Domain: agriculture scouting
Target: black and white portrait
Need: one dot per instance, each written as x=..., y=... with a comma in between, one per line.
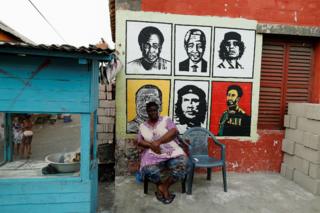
x=148, y=48
x=192, y=50
x=233, y=53
x=190, y=104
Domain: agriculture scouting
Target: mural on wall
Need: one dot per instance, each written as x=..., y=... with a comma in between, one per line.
x=233, y=53
x=148, y=48
x=192, y=50
x=231, y=108
x=139, y=93
x=190, y=104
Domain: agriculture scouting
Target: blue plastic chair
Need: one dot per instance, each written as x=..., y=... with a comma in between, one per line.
x=198, y=138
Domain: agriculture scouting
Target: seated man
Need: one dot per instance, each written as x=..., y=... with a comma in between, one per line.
x=161, y=152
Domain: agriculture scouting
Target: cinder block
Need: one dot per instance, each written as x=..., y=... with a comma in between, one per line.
x=296, y=162
x=288, y=146
x=293, y=121
x=102, y=142
x=295, y=135
x=311, y=140
x=313, y=111
x=307, y=182
x=102, y=120
x=102, y=111
x=308, y=125
x=109, y=87
x=286, y=171
x=307, y=153
x=102, y=87
x=103, y=103
x=283, y=169
x=314, y=171
x=112, y=104
x=105, y=136
x=109, y=95
x=112, y=112
x=101, y=128
x=288, y=159
x=297, y=109
x=105, y=128
x=286, y=122
x=102, y=95
x=301, y=164
x=102, y=136
x=110, y=136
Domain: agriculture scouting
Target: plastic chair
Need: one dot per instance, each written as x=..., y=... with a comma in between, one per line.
x=198, y=150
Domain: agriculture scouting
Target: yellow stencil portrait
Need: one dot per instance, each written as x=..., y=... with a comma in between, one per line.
x=132, y=87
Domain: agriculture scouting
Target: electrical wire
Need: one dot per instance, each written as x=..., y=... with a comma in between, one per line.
x=54, y=29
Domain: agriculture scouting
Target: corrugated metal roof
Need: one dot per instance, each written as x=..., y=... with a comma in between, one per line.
x=14, y=33
x=58, y=48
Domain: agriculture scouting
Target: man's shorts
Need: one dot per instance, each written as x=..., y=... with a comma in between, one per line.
x=176, y=167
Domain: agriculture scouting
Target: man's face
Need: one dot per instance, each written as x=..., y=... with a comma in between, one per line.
x=143, y=97
x=232, y=48
x=232, y=98
x=190, y=105
x=195, y=48
x=153, y=113
x=151, y=49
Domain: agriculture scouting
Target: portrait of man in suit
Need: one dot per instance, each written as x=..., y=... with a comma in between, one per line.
x=195, y=45
x=150, y=41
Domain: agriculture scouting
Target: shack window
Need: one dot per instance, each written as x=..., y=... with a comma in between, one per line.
x=40, y=145
x=286, y=71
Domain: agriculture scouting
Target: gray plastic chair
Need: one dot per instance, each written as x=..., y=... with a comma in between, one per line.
x=198, y=150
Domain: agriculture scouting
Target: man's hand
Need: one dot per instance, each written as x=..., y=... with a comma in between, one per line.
x=155, y=147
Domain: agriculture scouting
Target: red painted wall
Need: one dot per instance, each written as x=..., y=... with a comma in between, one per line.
x=294, y=12
x=246, y=156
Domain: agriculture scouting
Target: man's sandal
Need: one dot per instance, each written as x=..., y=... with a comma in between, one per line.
x=162, y=199
x=168, y=201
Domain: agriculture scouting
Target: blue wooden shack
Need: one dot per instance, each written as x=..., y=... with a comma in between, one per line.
x=52, y=79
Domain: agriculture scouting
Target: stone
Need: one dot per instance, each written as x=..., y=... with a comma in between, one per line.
x=286, y=122
x=102, y=87
x=311, y=140
x=307, y=182
x=314, y=171
x=103, y=103
x=313, y=111
x=308, y=125
x=288, y=146
x=102, y=95
x=297, y=109
x=307, y=153
x=109, y=95
x=295, y=135
x=296, y=162
x=293, y=122
x=286, y=171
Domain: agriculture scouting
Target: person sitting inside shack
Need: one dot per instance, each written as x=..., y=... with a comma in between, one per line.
x=158, y=137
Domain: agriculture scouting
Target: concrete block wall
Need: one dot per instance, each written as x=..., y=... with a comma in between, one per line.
x=106, y=123
x=301, y=146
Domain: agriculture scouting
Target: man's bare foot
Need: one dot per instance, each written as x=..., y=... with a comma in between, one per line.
x=164, y=191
